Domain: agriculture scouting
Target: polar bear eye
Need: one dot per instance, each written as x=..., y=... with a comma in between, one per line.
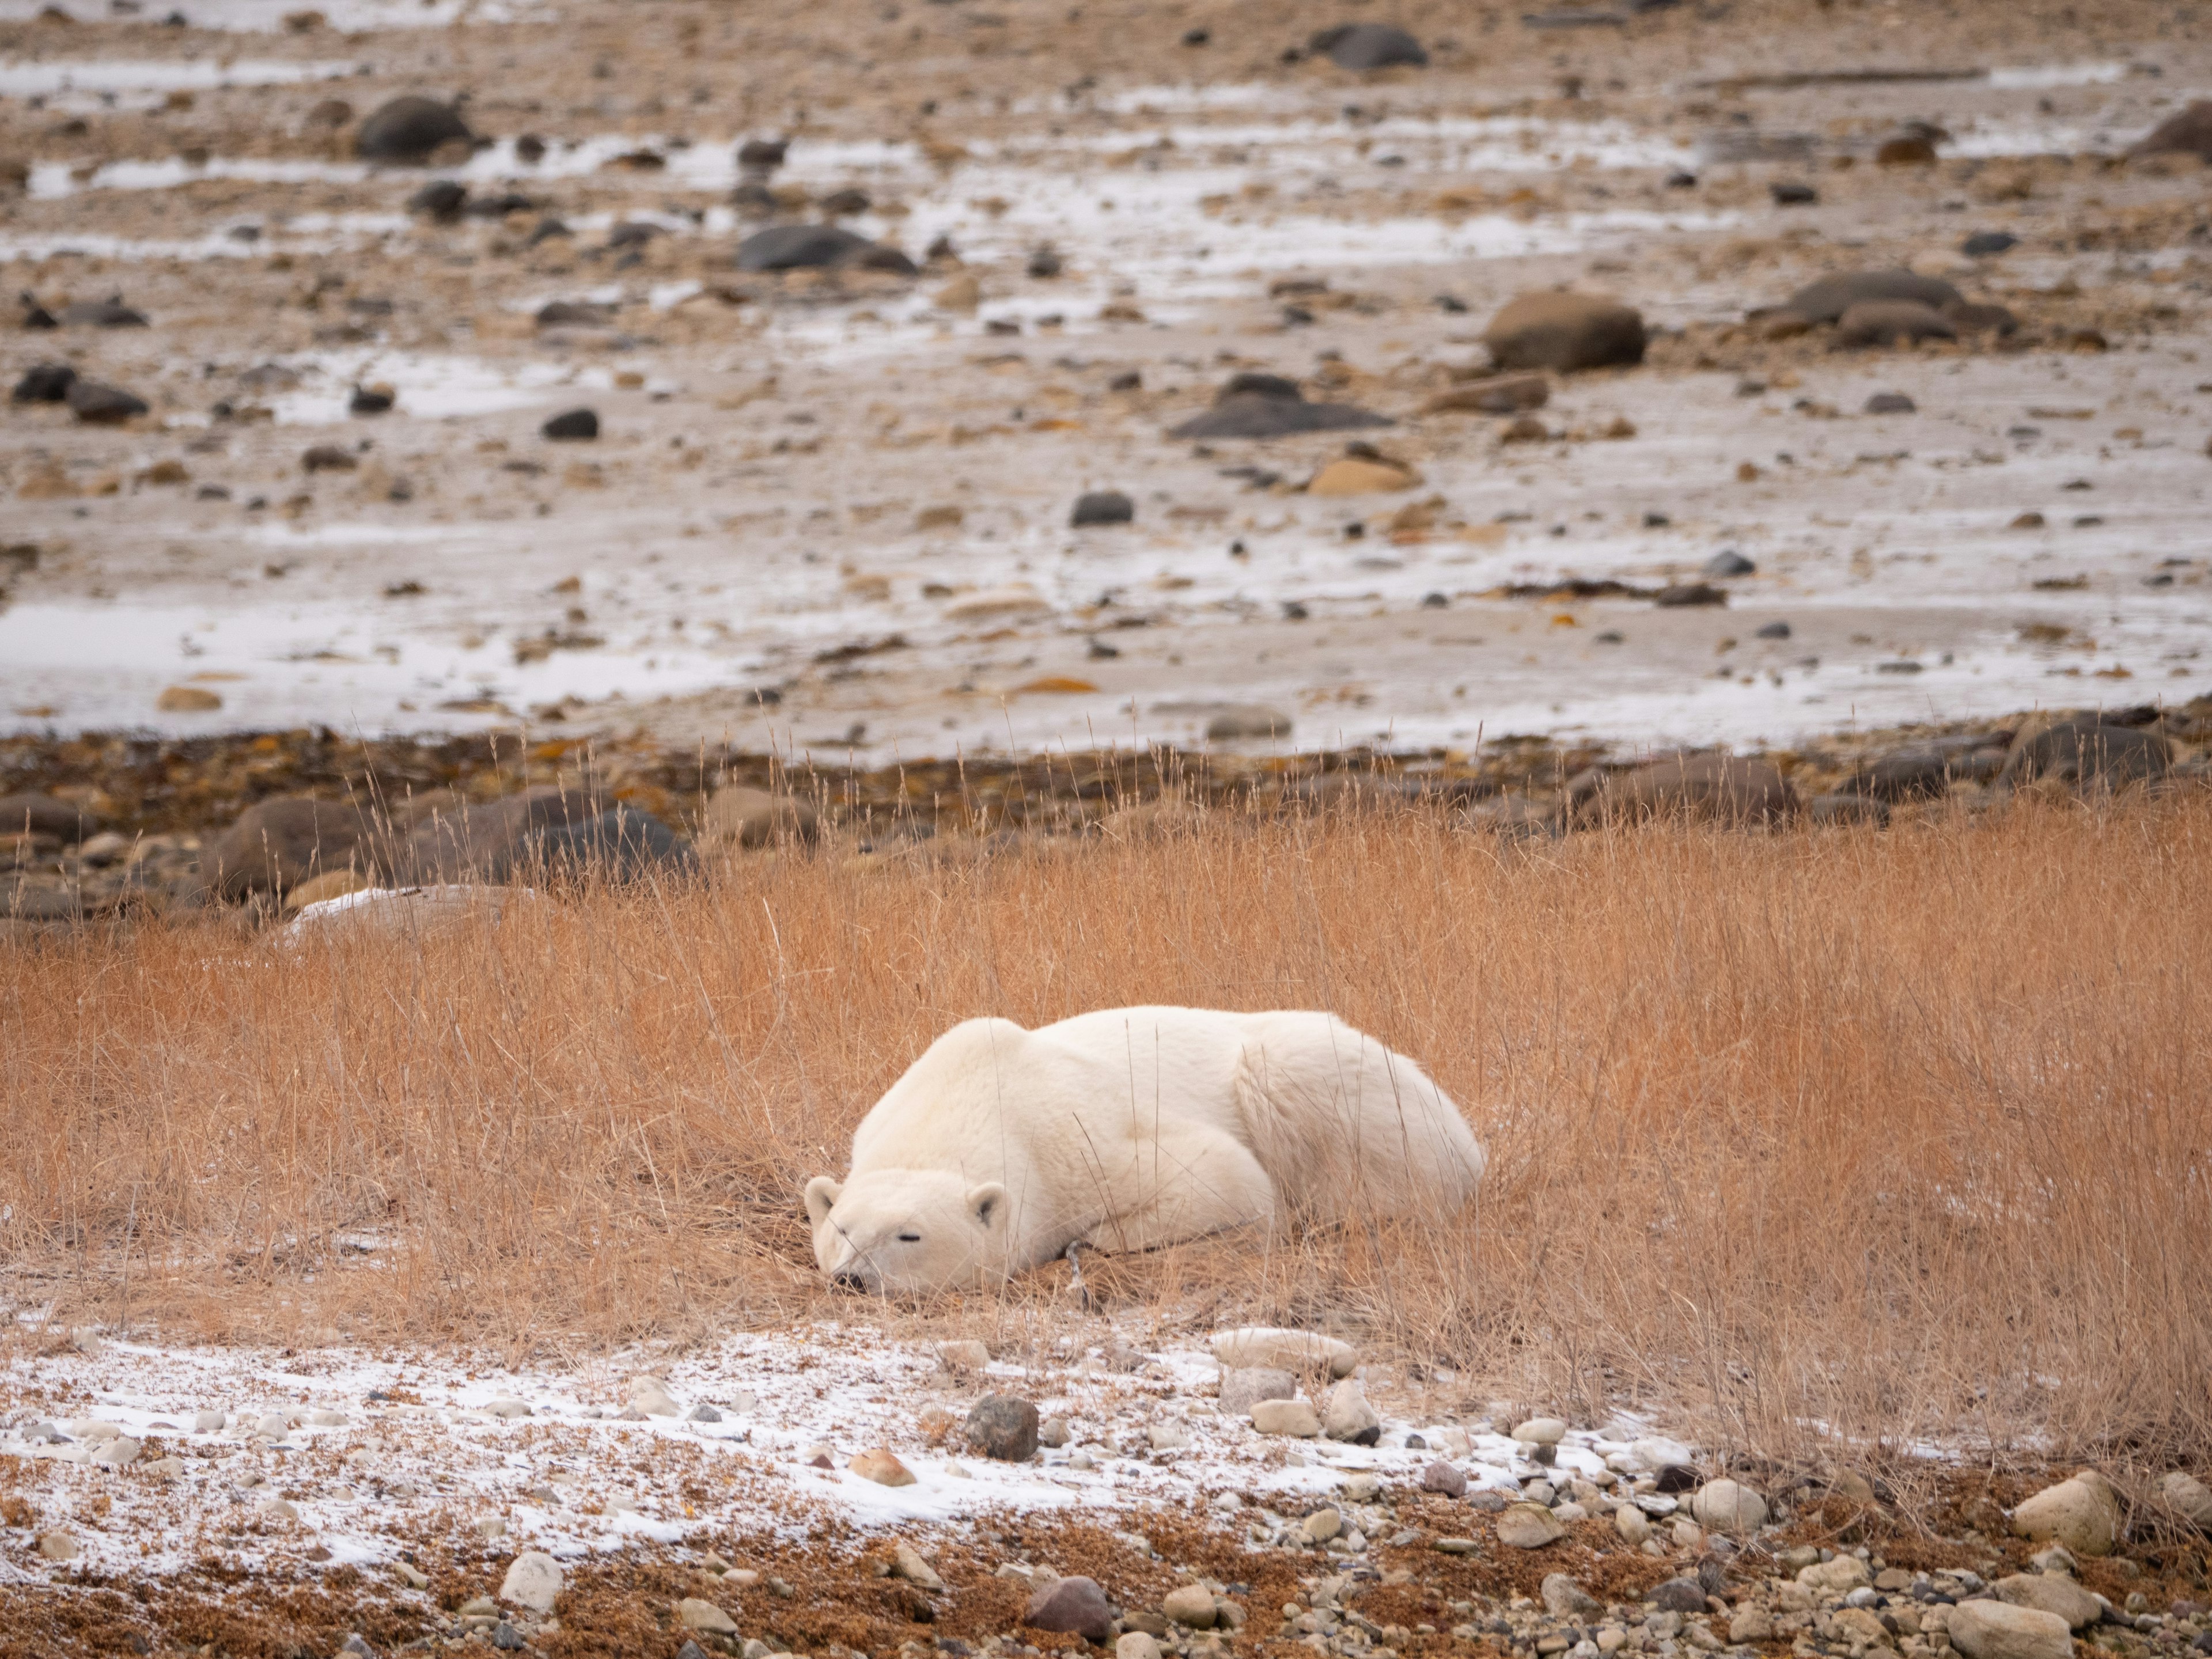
x=910, y=1238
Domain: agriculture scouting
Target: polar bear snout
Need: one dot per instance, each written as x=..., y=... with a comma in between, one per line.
x=903, y=1232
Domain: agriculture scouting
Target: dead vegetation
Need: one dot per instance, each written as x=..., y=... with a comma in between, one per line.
x=1886, y=1136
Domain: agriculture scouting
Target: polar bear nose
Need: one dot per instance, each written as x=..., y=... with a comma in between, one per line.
x=847, y=1280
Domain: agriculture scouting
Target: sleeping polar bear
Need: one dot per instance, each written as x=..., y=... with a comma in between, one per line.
x=1128, y=1128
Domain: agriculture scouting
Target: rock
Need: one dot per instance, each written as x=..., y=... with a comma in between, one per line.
x=1242, y=1387
x=1837, y=1577
x=1726, y=1506
x=43, y=815
x=541, y=831
x=1294, y=1418
x=1890, y=322
x=328, y=457
x=572, y=426
x=2082, y=1513
x=1137, y=1645
x=1859, y=1629
x=1540, y=1431
x=2051, y=1592
x=1353, y=474
x=1054, y=1433
x=489, y=1526
x=102, y=313
x=1847, y=810
x=97, y=403
x=1003, y=1426
x=1827, y=299
x=1269, y=406
x=442, y=199
x=279, y=1509
x=2186, y=1496
x=1446, y=1478
x=1368, y=46
x=1565, y=1599
x=1245, y=721
x=57, y=1546
x=697, y=1614
x=280, y=844
x=2187, y=131
x=1987, y=244
x=1322, y=1526
x=1346, y=1414
x=508, y=1407
x=1909, y=151
x=742, y=816
x=1015, y=601
x=1076, y=1606
x=808, y=247
x=1565, y=333
x=532, y=1581
x=1917, y=772
x=1679, y=1596
x=1284, y=1350
x=650, y=1395
x=410, y=129
x=45, y=383
x=116, y=1453
x=1103, y=507
x=1751, y=1624
x=1495, y=394
x=1730, y=562
x=880, y=1465
x=1527, y=1526
x=207, y=1422
x=963, y=1357
x=1167, y=1436
x=1191, y=1605
x=1970, y=318
x=1631, y=1523
x=702, y=1413
x=964, y=293
x=1715, y=788
x=2087, y=756
x=1684, y=596
x=907, y=1564
x=1890, y=403
x=1998, y=1629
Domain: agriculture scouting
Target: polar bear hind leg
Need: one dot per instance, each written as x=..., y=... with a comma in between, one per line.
x=1183, y=1184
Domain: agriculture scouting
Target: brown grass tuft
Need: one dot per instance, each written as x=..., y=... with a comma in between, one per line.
x=1898, y=1135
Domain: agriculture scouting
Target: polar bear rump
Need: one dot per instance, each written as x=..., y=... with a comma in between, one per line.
x=1129, y=1128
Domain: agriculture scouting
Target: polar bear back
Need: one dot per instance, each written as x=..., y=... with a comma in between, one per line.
x=1064, y=1115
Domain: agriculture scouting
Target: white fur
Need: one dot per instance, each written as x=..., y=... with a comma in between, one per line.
x=1128, y=1128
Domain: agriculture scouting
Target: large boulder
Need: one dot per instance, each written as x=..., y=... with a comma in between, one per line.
x=2185, y=132
x=813, y=247
x=2082, y=1513
x=1565, y=333
x=45, y=383
x=1708, y=788
x=1827, y=299
x=43, y=815
x=2086, y=754
x=545, y=830
x=2051, y=1592
x=1369, y=47
x=1269, y=406
x=2183, y=1495
x=1075, y=1606
x=97, y=403
x=285, y=841
x=1873, y=323
x=410, y=129
x=1998, y=1629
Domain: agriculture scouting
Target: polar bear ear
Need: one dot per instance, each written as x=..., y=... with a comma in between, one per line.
x=822, y=1193
x=988, y=1204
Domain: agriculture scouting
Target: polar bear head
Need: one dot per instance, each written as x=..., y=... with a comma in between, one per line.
x=909, y=1231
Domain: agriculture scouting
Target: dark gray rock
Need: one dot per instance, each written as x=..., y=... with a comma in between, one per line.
x=1681, y=596
x=1891, y=403
x=762, y=153
x=1715, y=788
x=1679, y=1596
x=1842, y=809
x=45, y=383
x=1270, y=406
x=1773, y=631
x=802, y=247
x=633, y=232
x=1792, y=192
x=573, y=313
x=442, y=199
x=1076, y=1606
x=277, y=844
x=328, y=457
x=1987, y=244
x=2187, y=131
x=1730, y=562
x=1825, y=300
x=621, y=844
x=2087, y=754
x=44, y=815
x=97, y=403
x=1890, y=322
x=110, y=312
x=1003, y=1426
x=1446, y=1478
x=572, y=426
x=1103, y=507
x=408, y=129
x=1369, y=47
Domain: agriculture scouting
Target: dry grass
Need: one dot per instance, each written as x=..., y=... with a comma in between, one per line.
x=1898, y=1133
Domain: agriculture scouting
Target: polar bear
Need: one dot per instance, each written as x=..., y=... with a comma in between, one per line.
x=1127, y=1129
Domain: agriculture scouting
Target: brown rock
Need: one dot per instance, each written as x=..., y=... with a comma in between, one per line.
x=1353, y=477
x=880, y=1465
x=1003, y=1426
x=1911, y=151
x=2186, y=133
x=1496, y=394
x=43, y=815
x=2087, y=756
x=740, y=815
x=1446, y=1478
x=280, y=844
x=1890, y=322
x=1706, y=788
x=1826, y=300
x=1565, y=333
x=1076, y=1606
